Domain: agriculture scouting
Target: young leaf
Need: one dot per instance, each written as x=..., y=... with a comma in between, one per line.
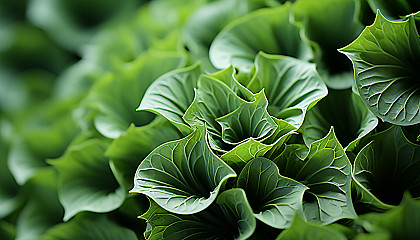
x=230, y=217
x=274, y=199
x=326, y=170
x=292, y=86
x=344, y=110
x=302, y=230
x=88, y=226
x=267, y=30
x=182, y=176
x=134, y=145
x=85, y=180
x=171, y=95
x=386, y=57
x=386, y=168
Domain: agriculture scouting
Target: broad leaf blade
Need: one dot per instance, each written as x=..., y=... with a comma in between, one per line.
x=85, y=180
x=292, y=86
x=229, y=218
x=267, y=30
x=274, y=199
x=386, y=57
x=327, y=172
x=182, y=176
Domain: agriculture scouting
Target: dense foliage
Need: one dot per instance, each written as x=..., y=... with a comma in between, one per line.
x=227, y=119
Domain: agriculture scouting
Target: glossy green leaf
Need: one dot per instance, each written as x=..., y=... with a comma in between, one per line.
x=127, y=151
x=400, y=223
x=85, y=179
x=42, y=209
x=326, y=171
x=292, y=86
x=345, y=111
x=386, y=168
x=88, y=226
x=302, y=230
x=335, y=28
x=118, y=94
x=274, y=199
x=386, y=57
x=268, y=30
x=182, y=176
x=229, y=218
x=172, y=94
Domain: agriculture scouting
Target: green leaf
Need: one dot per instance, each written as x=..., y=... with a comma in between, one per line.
x=117, y=95
x=345, y=111
x=400, y=223
x=134, y=145
x=386, y=168
x=267, y=30
x=42, y=209
x=85, y=179
x=88, y=226
x=274, y=199
x=292, y=86
x=172, y=94
x=229, y=218
x=182, y=176
x=302, y=230
x=326, y=170
x=395, y=9
x=386, y=57
x=204, y=24
x=335, y=28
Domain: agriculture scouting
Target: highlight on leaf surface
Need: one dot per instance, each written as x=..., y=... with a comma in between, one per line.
x=386, y=57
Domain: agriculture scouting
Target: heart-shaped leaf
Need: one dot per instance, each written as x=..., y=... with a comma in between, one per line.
x=292, y=86
x=386, y=168
x=172, y=94
x=386, y=57
x=182, y=176
x=268, y=30
x=274, y=199
x=229, y=218
x=85, y=180
x=327, y=172
x=344, y=110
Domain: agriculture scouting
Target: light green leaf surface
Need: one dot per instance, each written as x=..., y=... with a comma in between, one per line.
x=85, y=179
x=88, y=226
x=118, y=94
x=326, y=171
x=182, y=176
x=386, y=168
x=292, y=86
x=302, y=230
x=386, y=57
x=229, y=218
x=274, y=199
x=127, y=151
x=344, y=110
x=268, y=30
x=171, y=95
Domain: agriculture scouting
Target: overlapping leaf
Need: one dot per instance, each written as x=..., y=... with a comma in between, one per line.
x=292, y=86
x=182, y=176
x=267, y=30
x=344, y=110
x=230, y=217
x=386, y=57
x=326, y=171
x=85, y=180
x=386, y=168
x=274, y=199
